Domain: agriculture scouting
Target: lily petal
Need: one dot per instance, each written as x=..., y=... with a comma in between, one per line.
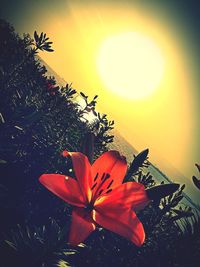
x=123, y=223
x=127, y=195
x=110, y=163
x=82, y=169
x=64, y=187
x=81, y=226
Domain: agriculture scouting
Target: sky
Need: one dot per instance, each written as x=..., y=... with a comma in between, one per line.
x=167, y=120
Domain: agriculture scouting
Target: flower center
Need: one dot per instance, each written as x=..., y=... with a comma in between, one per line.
x=89, y=207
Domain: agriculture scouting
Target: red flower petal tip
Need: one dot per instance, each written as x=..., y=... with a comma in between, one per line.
x=118, y=155
x=65, y=153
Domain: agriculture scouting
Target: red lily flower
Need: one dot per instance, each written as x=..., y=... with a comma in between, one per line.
x=100, y=197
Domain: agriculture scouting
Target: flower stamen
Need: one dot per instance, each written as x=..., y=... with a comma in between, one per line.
x=100, y=191
x=102, y=176
x=93, y=186
x=108, y=191
x=105, y=178
x=110, y=184
x=96, y=176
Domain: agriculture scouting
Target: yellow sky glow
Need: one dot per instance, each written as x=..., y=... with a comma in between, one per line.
x=130, y=65
x=162, y=121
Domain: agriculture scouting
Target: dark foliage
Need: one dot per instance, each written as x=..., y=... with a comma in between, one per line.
x=38, y=120
x=194, y=178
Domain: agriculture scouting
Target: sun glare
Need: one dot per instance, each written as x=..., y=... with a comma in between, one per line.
x=131, y=65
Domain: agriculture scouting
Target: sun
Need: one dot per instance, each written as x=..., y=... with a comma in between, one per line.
x=130, y=64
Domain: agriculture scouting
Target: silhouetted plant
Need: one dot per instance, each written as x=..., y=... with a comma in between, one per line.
x=89, y=106
x=138, y=162
x=195, y=180
x=41, y=42
x=146, y=179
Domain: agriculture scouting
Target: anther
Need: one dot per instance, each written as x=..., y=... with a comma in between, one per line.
x=96, y=176
x=93, y=186
x=100, y=192
x=110, y=184
x=103, y=176
x=107, y=175
x=108, y=191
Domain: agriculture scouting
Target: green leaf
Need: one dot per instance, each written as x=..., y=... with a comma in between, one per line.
x=36, y=37
x=182, y=187
x=161, y=191
x=137, y=162
x=196, y=182
x=176, y=201
x=48, y=49
x=198, y=166
x=48, y=43
x=10, y=244
x=83, y=95
x=40, y=38
x=183, y=213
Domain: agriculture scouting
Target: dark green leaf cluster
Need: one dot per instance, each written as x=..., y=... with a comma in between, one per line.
x=42, y=43
x=67, y=91
x=145, y=178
